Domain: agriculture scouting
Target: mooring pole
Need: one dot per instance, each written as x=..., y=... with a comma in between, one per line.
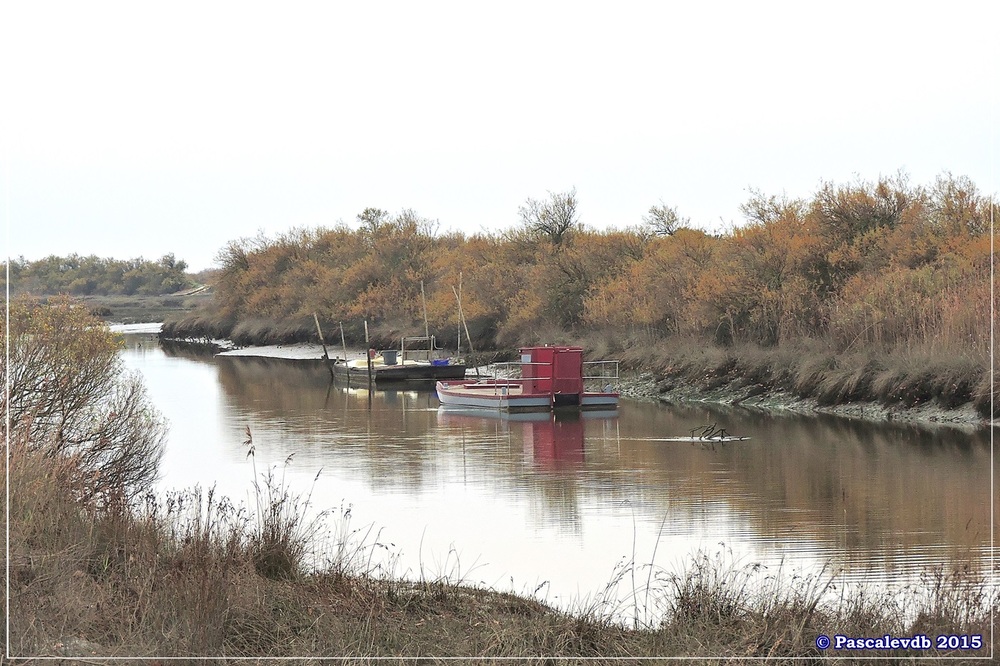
x=343, y=343
x=368, y=355
x=326, y=357
x=427, y=330
x=458, y=347
x=461, y=316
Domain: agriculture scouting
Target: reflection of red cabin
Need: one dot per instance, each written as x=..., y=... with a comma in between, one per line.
x=554, y=370
x=555, y=442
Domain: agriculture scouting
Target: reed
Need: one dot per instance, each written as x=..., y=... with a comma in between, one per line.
x=192, y=574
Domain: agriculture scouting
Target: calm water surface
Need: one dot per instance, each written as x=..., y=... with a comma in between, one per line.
x=554, y=505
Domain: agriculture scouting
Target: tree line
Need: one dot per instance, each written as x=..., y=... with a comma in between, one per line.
x=878, y=264
x=92, y=275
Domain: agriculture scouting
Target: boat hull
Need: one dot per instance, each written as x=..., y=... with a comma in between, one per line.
x=509, y=397
x=383, y=374
x=599, y=401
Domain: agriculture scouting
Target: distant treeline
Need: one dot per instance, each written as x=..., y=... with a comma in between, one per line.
x=874, y=265
x=92, y=275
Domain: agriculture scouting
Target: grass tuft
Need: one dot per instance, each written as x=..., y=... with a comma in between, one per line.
x=191, y=574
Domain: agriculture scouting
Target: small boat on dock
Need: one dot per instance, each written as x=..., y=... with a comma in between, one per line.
x=412, y=362
x=546, y=378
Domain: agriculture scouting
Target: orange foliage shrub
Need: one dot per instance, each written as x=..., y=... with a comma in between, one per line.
x=881, y=264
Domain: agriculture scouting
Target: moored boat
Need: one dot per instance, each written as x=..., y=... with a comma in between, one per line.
x=406, y=364
x=546, y=378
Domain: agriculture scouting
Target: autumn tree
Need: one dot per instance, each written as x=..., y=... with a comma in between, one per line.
x=957, y=206
x=387, y=278
x=656, y=291
x=868, y=262
x=765, y=282
x=856, y=220
x=920, y=277
x=237, y=267
x=491, y=273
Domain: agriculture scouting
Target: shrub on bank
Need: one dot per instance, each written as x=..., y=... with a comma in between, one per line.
x=71, y=398
x=865, y=273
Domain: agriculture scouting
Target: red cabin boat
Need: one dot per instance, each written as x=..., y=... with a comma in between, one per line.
x=545, y=378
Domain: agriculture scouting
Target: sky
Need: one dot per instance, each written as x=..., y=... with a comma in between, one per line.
x=134, y=129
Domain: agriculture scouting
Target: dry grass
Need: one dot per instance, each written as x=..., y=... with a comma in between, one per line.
x=907, y=375
x=903, y=378
x=191, y=574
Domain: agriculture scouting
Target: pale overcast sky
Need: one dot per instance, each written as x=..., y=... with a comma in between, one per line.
x=136, y=129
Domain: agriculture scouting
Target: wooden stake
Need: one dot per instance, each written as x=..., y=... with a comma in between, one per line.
x=458, y=347
x=343, y=343
x=326, y=357
x=461, y=315
x=368, y=355
x=427, y=330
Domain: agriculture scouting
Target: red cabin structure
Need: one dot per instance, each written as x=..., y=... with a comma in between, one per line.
x=551, y=376
x=557, y=371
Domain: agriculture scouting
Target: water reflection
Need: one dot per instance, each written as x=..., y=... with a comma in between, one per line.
x=554, y=441
x=564, y=497
x=552, y=460
x=891, y=495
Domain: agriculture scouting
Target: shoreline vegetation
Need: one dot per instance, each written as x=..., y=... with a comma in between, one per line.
x=105, y=568
x=866, y=293
x=729, y=388
x=191, y=574
x=869, y=293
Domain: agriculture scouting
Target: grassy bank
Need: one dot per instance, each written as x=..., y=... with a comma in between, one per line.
x=137, y=309
x=892, y=381
x=191, y=574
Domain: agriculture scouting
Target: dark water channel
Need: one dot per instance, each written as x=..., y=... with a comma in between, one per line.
x=554, y=505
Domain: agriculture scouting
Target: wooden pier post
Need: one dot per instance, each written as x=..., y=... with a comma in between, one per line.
x=427, y=330
x=343, y=343
x=461, y=316
x=458, y=347
x=368, y=355
x=326, y=357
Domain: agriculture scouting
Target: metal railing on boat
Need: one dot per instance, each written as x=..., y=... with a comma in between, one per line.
x=606, y=373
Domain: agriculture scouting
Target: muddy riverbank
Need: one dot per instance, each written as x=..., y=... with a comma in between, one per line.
x=964, y=416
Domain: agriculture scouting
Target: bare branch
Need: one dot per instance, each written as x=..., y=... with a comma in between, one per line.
x=555, y=218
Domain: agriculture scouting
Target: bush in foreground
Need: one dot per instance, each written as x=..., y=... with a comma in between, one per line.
x=71, y=399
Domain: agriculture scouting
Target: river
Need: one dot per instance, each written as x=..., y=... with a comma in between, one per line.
x=554, y=507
